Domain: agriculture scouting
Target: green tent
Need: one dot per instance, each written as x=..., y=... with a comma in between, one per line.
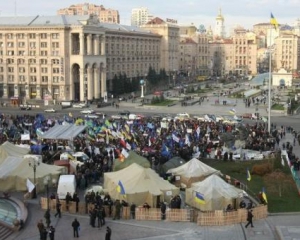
x=132, y=158
x=172, y=163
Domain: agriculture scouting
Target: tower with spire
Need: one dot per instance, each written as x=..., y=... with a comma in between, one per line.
x=220, y=27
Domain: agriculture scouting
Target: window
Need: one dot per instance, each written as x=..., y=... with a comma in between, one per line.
x=20, y=35
x=55, y=53
x=31, y=35
x=21, y=44
x=10, y=36
x=32, y=78
x=55, y=45
x=55, y=61
x=32, y=44
x=11, y=78
x=44, y=70
x=55, y=35
x=43, y=44
x=21, y=69
x=1, y=78
x=32, y=70
x=32, y=53
x=43, y=35
x=55, y=79
x=10, y=44
x=44, y=53
x=10, y=53
x=32, y=61
x=55, y=70
x=22, y=78
x=44, y=79
x=1, y=69
x=44, y=61
x=10, y=61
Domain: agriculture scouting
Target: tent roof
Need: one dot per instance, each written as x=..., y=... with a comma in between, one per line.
x=217, y=188
x=172, y=163
x=137, y=179
x=193, y=168
x=132, y=158
x=64, y=132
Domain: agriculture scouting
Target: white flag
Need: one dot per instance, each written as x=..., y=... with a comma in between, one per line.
x=124, y=153
x=175, y=138
x=187, y=140
x=128, y=146
x=30, y=185
x=149, y=143
x=198, y=131
x=282, y=161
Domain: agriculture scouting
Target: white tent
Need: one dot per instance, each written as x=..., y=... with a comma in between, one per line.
x=140, y=184
x=216, y=192
x=63, y=132
x=192, y=171
x=15, y=169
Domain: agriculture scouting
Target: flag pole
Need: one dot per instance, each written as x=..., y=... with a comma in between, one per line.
x=270, y=78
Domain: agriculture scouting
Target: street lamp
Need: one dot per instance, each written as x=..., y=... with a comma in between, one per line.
x=142, y=83
x=34, y=163
x=47, y=179
x=145, y=83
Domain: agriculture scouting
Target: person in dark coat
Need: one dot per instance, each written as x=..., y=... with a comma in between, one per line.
x=75, y=225
x=51, y=232
x=47, y=217
x=249, y=218
x=132, y=210
x=108, y=233
x=58, y=212
x=117, y=210
x=163, y=208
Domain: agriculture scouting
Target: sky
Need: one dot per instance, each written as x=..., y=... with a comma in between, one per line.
x=244, y=13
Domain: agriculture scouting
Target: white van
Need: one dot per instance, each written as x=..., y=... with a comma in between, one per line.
x=66, y=184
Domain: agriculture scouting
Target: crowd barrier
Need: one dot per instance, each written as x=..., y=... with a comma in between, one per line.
x=219, y=218
x=212, y=218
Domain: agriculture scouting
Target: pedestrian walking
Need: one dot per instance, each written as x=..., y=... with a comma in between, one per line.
x=249, y=218
x=41, y=227
x=76, y=227
x=47, y=217
x=51, y=232
x=58, y=211
x=108, y=233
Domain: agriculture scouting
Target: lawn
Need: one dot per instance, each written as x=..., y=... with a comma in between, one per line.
x=277, y=107
x=289, y=199
x=165, y=102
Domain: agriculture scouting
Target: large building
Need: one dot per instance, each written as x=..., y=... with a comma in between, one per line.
x=140, y=16
x=188, y=56
x=220, y=27
x=169, y=50
x=104, y=15
x=70, y=57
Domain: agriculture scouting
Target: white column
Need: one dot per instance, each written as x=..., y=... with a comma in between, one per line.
x=82, y=85
x=38, y=92
x=96, y=45
x=90, y=84
x=81, y=39
x=27, y=96
x=103, y=82
x=16, y=91
x=89, y=44
x=96, y=83
x=103, y=45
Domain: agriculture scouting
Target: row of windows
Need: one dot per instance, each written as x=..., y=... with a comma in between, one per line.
x=22, y=78
x=31, y=61
x=31, y=70
x=30, y=35
x=31, y=44
x=30, y=53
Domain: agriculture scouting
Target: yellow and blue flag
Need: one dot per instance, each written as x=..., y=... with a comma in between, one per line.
x=248, y=175
x=232, y=111
x=199, y=198
x=264, y=196
x=120, y=188
x=273, y=21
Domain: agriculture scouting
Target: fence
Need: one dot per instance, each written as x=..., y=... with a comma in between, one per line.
x=213, y=218
x=219, y=218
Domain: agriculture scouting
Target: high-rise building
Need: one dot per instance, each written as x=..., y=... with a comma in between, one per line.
x=104, y=15
x=140, y=16
x=220, y=27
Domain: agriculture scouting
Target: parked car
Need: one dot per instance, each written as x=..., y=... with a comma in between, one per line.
x=25, y=107
x=87, y=111
x=50, y=110
x=79, y=105
x=124, y=113
x=249, y=116
x=91, y=116
x=100, y=114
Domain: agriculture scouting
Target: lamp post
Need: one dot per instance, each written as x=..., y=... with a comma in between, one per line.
x=145, y=83
x=47, y=179
x=142, y=83
x=34, y=163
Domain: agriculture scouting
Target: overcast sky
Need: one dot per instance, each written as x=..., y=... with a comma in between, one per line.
x=236, y=12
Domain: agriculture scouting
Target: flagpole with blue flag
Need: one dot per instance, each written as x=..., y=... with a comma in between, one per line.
x=120, y=188
x=199, y=198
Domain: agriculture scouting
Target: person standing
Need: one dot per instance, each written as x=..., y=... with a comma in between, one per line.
x=132, y=210
x=75, y=225
x=58, y=212
x=41, y=227
x=51, y=232
x=108, y=233
x=249, y=218
x=47, y=217
x=117, y=210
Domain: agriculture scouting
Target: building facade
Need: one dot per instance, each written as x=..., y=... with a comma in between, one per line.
x=131, y=51
x=140, y=16
x=55, y=57
x=104, y=15
x=169, y=50
x=188, y=56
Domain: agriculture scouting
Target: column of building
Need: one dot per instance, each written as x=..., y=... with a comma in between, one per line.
x=38, y=67
x=16, y=70
x=90, y=83
x=89, y=44
x=5, y=79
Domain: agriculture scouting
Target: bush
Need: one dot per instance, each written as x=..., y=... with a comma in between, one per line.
x=261, y=169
